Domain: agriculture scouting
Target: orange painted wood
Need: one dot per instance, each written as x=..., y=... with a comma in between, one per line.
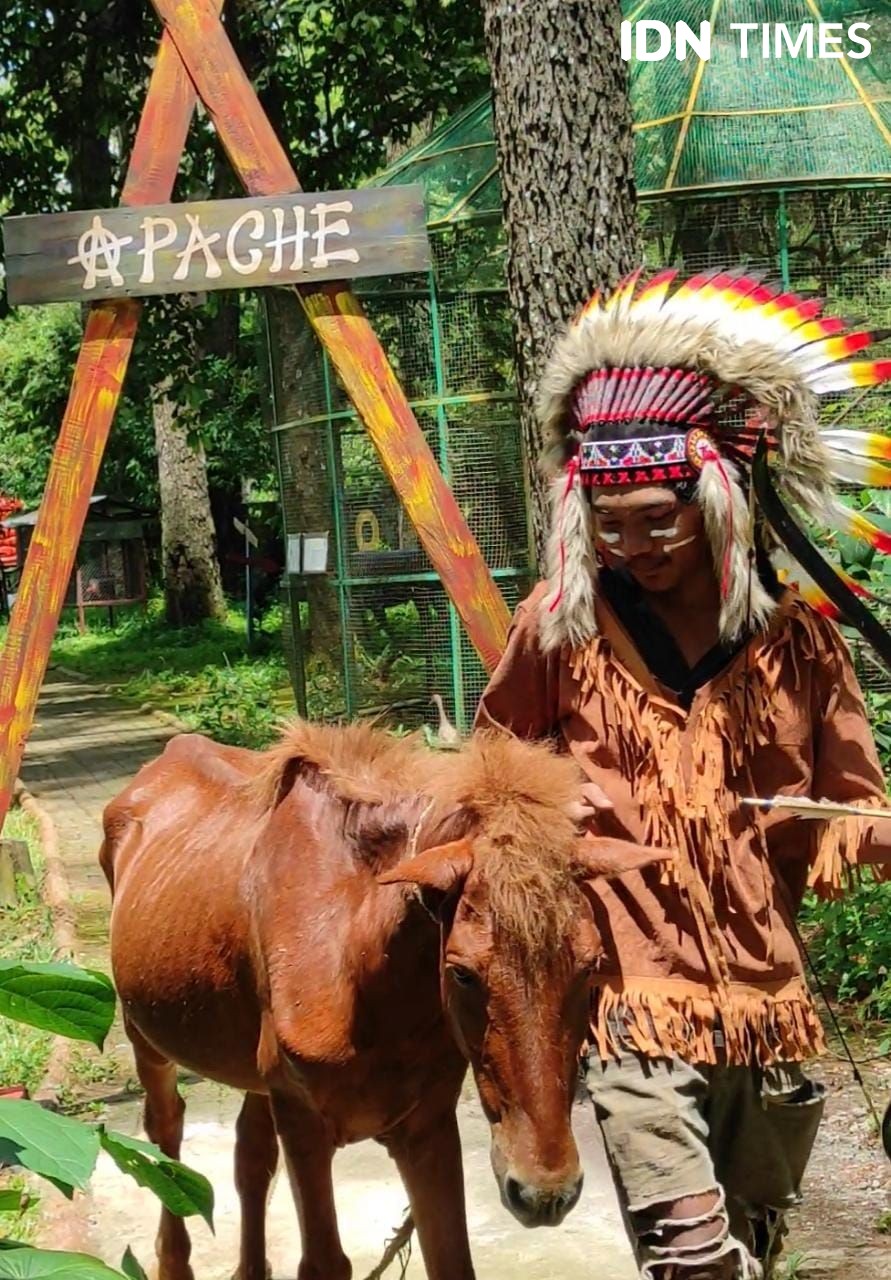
x=95, y=390
x=337, y=317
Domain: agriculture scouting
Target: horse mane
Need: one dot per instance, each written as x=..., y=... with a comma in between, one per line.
x=357, y=761
x=514, y=797
x=522, y=794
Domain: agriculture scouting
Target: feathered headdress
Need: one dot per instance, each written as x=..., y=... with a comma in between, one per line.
x=700, y=383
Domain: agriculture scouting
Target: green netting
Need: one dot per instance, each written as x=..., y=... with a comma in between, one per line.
x=733, y=121
x=710, y=124
x=378, y=631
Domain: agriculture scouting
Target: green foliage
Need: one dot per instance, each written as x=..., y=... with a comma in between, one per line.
x=60, y=1149
x=181, y=1190
x=131, y=1267
x=52, y=1264
x=60, y=998
x=26, y=935
x=64, y=1151
x=239, y=704
x=202, y=674
x=851, y=947
x=37, y=351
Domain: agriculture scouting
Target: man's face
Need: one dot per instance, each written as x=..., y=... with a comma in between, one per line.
x=648, y=531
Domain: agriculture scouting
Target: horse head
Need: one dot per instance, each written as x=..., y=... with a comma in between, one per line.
x=502, y=864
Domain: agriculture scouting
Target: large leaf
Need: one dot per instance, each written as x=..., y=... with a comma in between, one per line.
x=61, y=998
x=131, y=1267
x=50, y=1264
x=180, y=1189
x=58, y=1148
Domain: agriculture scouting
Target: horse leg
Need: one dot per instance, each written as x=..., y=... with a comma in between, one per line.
x=428, y=1157
x=309, y=1153
x=256, y=1156
x=163, y=1120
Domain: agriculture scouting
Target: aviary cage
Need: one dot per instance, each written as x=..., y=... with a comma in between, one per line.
x=368, y=626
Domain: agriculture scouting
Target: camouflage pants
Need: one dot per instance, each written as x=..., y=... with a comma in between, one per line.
x=673, y=1131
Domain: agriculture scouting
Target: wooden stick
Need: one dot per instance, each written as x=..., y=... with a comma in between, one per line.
x=802, y=807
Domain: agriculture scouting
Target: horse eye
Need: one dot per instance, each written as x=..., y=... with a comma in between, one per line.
x=462, y=976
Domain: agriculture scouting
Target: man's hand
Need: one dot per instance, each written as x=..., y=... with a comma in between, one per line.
x=592, y=800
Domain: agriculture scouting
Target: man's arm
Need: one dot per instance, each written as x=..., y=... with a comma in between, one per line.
x=522, y=694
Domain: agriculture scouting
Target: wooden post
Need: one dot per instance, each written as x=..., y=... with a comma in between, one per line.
x=8, y=892
x=98, y=377
x=20, y=856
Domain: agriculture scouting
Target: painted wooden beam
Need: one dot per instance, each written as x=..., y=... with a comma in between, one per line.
x=337, y=317
x=95, y=390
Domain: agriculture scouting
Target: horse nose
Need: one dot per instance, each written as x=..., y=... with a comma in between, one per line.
x=539, y=1206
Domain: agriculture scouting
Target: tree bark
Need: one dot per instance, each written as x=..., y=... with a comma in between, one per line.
x=566, y=157
x=192, y=589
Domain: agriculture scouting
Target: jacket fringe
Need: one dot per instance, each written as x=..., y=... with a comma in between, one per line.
x=661, y=1018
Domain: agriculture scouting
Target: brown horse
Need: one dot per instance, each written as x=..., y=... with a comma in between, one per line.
x=336, y=927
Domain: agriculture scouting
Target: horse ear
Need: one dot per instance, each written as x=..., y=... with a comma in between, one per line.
x=444, y=867
x=605, y=856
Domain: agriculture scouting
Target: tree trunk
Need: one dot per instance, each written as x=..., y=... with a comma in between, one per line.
x=565, y=150
x=192, y=589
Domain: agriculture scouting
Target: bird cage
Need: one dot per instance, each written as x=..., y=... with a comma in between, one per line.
x=368, y=625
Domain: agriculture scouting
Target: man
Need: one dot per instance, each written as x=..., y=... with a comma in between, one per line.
x=665, y=654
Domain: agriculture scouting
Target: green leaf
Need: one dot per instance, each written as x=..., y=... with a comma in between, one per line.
x=61, y=998
x=59, y=1149
x=52, y=1264
x=10, y=1200
x=131, y=1267
x=180, y=1189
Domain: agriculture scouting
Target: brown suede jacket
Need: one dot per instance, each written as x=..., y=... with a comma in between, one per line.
x=703, y=960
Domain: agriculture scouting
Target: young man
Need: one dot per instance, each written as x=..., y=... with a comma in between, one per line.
x=664, y=653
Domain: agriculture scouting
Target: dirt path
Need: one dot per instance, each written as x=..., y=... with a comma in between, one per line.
x=83, y=749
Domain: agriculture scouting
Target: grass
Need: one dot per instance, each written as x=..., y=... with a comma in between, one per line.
x=204, y=674
x=25, y=934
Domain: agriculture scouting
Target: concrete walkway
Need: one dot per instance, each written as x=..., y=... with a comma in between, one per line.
x=84, y=747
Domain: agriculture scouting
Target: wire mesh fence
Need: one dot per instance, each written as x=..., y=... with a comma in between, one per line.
x=377, y=631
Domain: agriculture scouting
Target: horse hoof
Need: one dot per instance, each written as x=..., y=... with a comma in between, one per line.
x=252, y=1273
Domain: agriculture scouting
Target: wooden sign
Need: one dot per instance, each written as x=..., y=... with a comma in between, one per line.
x=219, y=244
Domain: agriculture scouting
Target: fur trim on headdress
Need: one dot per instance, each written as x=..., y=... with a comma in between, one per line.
x=745, y=604
x=568, y=609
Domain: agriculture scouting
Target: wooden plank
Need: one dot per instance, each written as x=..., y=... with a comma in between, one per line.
x=338, y=319
x=215, y=244
x=9, y=894
x=20, y=856
x=98, y=377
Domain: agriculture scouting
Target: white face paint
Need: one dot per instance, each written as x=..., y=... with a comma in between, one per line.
x=676, y=546
x=612, y=540
x=669, y=547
